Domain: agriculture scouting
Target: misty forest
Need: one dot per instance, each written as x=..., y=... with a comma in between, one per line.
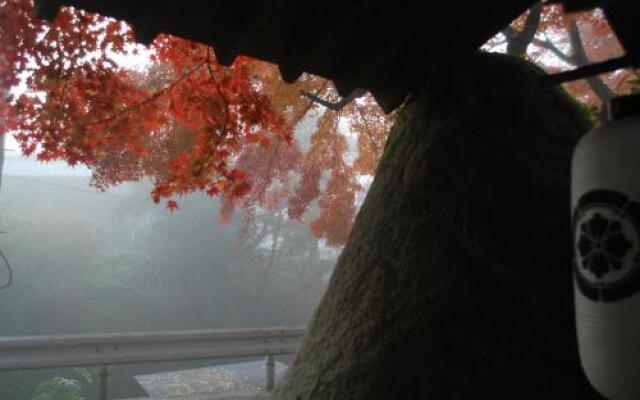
x=364, y=228
x=92, y=262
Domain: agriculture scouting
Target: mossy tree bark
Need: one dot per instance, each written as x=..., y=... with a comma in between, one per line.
x=456, y=280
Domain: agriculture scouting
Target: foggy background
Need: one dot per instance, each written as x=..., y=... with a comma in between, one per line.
x=91, y=262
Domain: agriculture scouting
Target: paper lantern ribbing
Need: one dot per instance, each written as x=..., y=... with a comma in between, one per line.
x=605, y=199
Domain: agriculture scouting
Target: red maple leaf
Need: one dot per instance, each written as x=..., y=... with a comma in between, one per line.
x=172, y=205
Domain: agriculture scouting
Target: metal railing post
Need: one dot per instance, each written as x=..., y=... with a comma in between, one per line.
x=104, y=382
x=270, y=367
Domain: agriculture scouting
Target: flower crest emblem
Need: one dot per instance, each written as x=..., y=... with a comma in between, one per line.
x=602, y=245
x=606, y=245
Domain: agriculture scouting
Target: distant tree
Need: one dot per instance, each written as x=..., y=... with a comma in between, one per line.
x=284, y=265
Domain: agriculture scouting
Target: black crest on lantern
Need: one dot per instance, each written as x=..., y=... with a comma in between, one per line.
x=606, y=245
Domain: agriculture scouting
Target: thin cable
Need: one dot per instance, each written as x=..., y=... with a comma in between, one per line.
x=9, y=269
x=77, y=189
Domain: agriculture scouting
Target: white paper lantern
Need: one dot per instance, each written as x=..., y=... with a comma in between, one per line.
x=605, y=202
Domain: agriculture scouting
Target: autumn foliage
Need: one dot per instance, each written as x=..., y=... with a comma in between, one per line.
x=238, y=132
x=183, y=120
x=562, y=41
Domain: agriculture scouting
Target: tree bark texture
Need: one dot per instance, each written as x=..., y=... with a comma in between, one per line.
x=456, y=281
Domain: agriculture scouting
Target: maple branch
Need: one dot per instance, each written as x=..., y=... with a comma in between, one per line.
x=311, y=103
x=66, y=78
x=224, y=99
x=276, y=148
x=364, y=122
x=148, y=100
x=548, y=45
x=337, y=106
x=518, y=42
x=223, y=132
x=580, y=58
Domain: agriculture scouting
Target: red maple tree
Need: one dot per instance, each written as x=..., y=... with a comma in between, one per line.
x=185, y=121
x=191, y=124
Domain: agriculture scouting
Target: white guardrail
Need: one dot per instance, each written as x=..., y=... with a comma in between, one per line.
x=28, y=352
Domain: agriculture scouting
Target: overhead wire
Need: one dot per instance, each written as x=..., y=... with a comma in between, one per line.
x=5, y=260
x=9, y=269
x=77, y=189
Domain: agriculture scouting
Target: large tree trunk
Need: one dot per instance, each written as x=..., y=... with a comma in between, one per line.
x=456, y=280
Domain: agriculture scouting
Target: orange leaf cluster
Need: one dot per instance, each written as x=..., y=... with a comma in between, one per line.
x=193, y=125
x=184, y=120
